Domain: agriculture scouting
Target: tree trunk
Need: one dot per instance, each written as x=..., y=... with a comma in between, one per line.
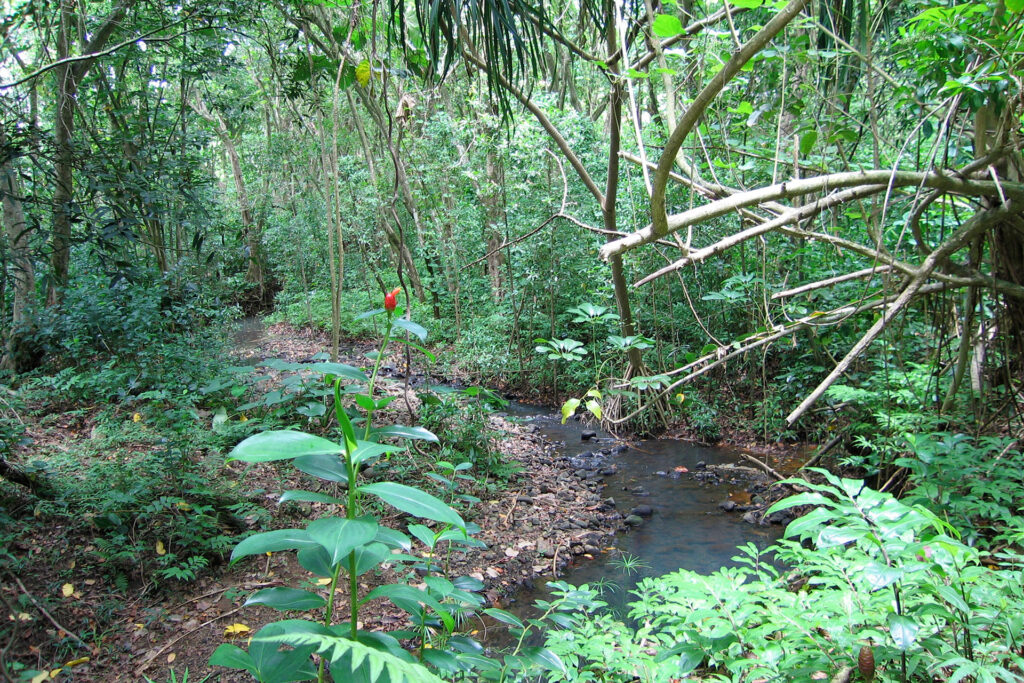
x=69, y=75
x=18, y=234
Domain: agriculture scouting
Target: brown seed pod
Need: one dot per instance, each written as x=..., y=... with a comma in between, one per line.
x=866, y=663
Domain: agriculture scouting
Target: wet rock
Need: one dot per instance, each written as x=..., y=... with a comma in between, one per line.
x=728, y=505
x=608, y=503
x=587, y=435
x=700, y=465
x=642, y=511
x=585, y=454
x=752, y=517
x=545, y=548
x=621, y=448
x=661, y=473
x=608, y=471
x=782, y=517
x=633, y=520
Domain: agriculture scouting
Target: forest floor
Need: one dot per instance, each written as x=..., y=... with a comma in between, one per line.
x=74, y=618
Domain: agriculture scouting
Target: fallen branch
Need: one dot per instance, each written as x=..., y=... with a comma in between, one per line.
x=49, y=617
x=754, y=461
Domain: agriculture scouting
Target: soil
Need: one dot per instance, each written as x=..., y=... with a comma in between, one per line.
x=548, y=515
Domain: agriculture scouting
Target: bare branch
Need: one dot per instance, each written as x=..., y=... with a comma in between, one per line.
x=821, y=284
x=939, y=180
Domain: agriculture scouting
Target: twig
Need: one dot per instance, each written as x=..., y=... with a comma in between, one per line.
x=751, y=459
x=47, y=614
x=554, y=562
x=152, y=658
x=822, y=451
x=224, y=589
x=515, y=501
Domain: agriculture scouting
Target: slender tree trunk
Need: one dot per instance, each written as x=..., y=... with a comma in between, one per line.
x=69, y=75
x=18, y=234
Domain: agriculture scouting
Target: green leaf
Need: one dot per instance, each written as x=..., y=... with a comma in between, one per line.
x=369, y=556
x=410, y=599
x=309, y=497
x=903, y=631
x=1015, y=5
x=286, y=599
x=232, y=657
x=569, y=408
x=746, y=4
x=272, y=542
x=323, y=465
x=340, y=370
x=282, y=445
x=504, y=617
x=340, y=536
x=403, y=432
x=544, y=658
x=316, y=560
x=666, y=26
x=411, y=327
x=595, y=408
x=368, y=450
x=414, y=502
x=807, y=141
x=282, y=666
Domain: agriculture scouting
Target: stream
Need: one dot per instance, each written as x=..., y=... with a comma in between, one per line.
x=685, y=530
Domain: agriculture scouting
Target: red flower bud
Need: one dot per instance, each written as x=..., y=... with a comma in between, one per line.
x=390, y=302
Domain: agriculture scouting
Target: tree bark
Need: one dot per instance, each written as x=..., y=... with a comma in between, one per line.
x=69, y=76
x=18, y=234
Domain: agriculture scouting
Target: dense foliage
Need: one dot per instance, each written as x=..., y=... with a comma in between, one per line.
x=792, y=220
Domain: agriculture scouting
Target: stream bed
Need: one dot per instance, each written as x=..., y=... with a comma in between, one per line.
x=682, y=526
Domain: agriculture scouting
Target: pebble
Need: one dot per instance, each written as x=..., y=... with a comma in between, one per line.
x=633, y=520
x=587, y=435
x=642, y=511
x=728, y=505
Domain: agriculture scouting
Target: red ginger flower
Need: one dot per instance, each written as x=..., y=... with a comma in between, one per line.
x=390, y=302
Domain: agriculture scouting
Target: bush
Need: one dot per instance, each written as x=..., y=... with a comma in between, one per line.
x=885, y=583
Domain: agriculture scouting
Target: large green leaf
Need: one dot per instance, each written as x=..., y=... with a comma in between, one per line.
x=279, y=444
x=340, y=536
x=413, y=501
x=272, y=542
x=309, y=497
x=544, y=658
x=327, y=466
x=283, y=666
x=368, y=556
x=404, y=432
x=411, y=600
x=368, y=450
x=340, y=370
x=903, y=631
x=233, y=657
x=286, y=599
x=316, y=560
x=412, y=328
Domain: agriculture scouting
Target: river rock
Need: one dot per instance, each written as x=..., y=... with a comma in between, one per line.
x=728, y=505
x=621, y=448
x=642, y=511
x=545, y=548
x=633, y=520
x=751, y=517
x=587, y=435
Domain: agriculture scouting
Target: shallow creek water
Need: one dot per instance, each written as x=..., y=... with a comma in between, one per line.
x=687, y=530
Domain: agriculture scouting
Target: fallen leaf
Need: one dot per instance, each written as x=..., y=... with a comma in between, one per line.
x=323, y=582
x=67, y=589
x=171, y=657
x=76, y=662
x=160, y=549
x=39, y=678
x=236, y=630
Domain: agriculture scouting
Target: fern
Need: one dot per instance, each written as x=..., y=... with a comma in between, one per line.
x=372, y=661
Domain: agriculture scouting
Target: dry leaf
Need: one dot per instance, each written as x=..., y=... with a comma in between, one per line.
x=323, y=582
x=76, y=662
x=236, y=630
x=160, y=549
x=67, y=589
x=171, y=657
